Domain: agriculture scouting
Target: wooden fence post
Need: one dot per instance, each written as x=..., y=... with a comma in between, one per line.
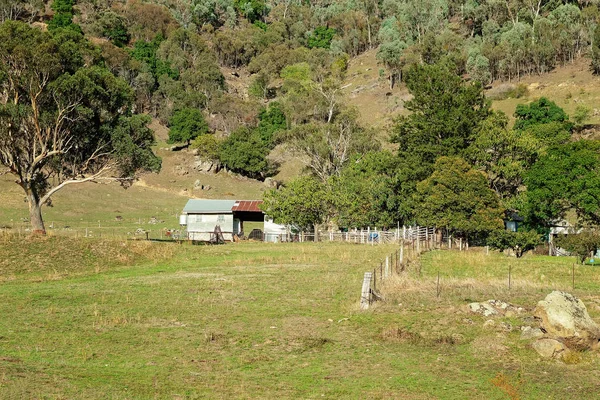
x=365, y=296
x=402, y=253
x=387, y=266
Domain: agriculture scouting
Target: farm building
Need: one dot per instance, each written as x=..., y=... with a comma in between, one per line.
x=201, y=217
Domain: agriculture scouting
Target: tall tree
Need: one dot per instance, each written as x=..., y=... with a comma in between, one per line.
x=457, y=197
x=445, y=114
x=503, y=154
x=186, y=125
x=62, y=123
x=566, y=178
x=305, y=202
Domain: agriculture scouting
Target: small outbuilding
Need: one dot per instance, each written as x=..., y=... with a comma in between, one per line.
x=201, y=218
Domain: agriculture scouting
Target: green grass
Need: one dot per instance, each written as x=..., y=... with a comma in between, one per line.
x=249, y=320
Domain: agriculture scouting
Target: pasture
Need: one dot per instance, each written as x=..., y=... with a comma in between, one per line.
x=92, y=318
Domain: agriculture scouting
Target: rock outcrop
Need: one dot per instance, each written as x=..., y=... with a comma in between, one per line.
x=565, y=318
x=495, y=307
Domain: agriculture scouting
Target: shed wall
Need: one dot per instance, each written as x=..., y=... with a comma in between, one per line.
x=200, y=226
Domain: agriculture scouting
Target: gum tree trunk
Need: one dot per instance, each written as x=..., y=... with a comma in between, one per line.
x=35, y=213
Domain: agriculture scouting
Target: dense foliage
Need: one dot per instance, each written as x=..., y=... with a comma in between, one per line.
x=66, y=119
x=582, y=243
x=169, y=59
x=518, y=242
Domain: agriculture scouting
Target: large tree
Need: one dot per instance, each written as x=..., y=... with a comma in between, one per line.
x=305, y=202
x=566, y=178
x=446, y=111
x=457, y=197
x=63, y=118
x=503, y=154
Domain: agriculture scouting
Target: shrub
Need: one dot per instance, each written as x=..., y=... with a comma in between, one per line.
x=581, y=244
x=519, y=242
x=186, y=125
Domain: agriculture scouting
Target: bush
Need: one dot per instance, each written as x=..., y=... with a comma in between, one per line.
x=245, y=152
x=321, y=37
x=519, y=242
x=581, y=244
x=207, y=146
x=186, y=125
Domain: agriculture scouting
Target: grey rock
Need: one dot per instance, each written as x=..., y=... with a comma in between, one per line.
x=565, y=317
x=549, y=348
x=528, y=333
x=484, y=309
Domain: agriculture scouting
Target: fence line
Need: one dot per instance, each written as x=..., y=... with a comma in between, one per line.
x=413, y=242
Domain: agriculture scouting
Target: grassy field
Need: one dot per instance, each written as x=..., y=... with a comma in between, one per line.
x=139, y=320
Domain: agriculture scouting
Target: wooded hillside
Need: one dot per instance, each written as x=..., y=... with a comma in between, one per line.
x=235, y=80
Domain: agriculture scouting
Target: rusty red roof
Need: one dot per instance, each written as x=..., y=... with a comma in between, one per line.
x=247, y=206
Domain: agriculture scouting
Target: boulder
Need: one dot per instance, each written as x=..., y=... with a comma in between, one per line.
x=565, y=317
x=203, y=165
x=271, y=183
x=549, y=348
x=528, y=333
x=495, y=307
x=484, y=309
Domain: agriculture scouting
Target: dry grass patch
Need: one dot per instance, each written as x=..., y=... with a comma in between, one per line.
x=56, y=258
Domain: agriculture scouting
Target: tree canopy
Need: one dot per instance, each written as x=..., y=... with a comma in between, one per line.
x=64, y=122
x=186, y=125
x=457, y=197
x=565, y=178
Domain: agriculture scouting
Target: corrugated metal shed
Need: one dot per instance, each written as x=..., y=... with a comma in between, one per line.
x=247, y=206
x=195, y=206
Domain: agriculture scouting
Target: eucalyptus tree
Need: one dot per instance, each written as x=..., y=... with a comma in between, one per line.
x=63, y=118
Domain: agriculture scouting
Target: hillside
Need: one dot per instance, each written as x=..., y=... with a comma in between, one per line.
x=163, y=195
x=569, y=86
x=265, y=87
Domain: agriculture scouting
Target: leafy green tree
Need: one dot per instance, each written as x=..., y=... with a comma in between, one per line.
x=215, y=12
x=245, y=152
x=518, y=242
x=582, y=243
x=66, y=121
x=391, y=50
x=478, y=67
x=186, y=125
x=63, y=5
x=207, y=147
x=259, y=87
x=445, y=112
x=364, y=193
x=457, y=198
x=566, y=178
x=503, y=154
x=252, y=10
x=63, y=17
x=320, y=37
x=581, y=115
x=271, y=121
x=516, y=47
x=541, y=111
x=112, y=26
x=304, y=202
x=146, y=53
